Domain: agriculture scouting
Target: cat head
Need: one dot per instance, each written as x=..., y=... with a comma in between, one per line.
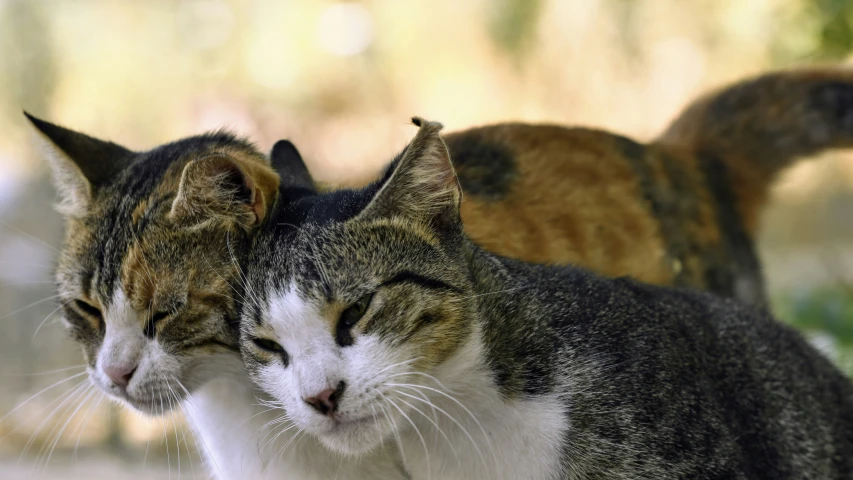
x=355, y=316
x=149, y=272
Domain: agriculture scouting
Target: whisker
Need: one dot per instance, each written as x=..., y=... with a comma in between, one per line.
x=65, y=398
x=45, y=389
x=432, y=420
x=280, y=453
x=41, y=324
x=49, y=372
x=210, y=456
x=417, y=431
x=238, y=292
x=246, y=286
x=30, y=306
x=82, y=426
x=85, y=397
x=165, y=435
x=473, y=417
x=404, y=362
x=496, y=292
x=452, y=419
x=396, y=432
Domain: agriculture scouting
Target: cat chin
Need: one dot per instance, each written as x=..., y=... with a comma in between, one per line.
x=153, y=405
x=354, y=439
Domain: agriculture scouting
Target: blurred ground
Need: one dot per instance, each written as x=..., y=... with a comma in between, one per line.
x=340, y=79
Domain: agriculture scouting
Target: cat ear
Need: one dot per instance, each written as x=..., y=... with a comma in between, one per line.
x=422, y=185
x=219, y=188
x=287, y=161
x=79, y=164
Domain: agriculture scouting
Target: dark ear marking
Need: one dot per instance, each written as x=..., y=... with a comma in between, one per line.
x=288, y=163
x=79, y=164
x=98, y=160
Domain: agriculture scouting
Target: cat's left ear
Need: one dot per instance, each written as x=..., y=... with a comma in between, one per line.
x=80, y=165
x=422, y=185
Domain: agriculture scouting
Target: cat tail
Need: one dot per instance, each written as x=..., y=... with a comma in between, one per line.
x=762, y=125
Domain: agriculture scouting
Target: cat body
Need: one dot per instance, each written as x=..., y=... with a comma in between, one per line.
x=384, y=322
x=151, y=272
x=690, y=200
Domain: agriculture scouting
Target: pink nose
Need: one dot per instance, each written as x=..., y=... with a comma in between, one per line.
x=120, y=375
x=326, y=402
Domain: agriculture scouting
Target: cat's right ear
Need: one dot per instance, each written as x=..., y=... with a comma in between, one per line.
x=421, y=184
x=290, y=166
x=224, y=190
x=79, y=164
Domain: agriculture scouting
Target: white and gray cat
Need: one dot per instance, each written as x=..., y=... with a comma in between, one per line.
x=374, y=319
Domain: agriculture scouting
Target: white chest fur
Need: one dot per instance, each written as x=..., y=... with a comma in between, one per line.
x=520, y=441
x=493, y=439
x=234, y=434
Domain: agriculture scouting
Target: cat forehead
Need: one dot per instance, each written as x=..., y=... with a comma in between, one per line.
x=125, y=215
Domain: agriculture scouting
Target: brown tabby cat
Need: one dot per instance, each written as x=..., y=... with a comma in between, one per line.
x=150, y=273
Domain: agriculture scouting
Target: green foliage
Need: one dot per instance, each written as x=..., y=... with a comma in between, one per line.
x=826, y=312
x=819, y=30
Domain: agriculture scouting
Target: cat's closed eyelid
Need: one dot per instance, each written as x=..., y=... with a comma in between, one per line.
x=86, y=308
x=82, y=313
x=410, y=277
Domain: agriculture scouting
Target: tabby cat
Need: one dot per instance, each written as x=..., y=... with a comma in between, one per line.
x=390, y=325
x=150, y=277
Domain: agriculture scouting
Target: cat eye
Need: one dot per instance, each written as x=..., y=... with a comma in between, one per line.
x=354, y=312
x=268, y=345
x=88, y=309
x=157, y=317
x=151, y=326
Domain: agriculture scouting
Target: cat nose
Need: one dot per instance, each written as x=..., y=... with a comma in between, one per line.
x=326, y=402
x=120, y=375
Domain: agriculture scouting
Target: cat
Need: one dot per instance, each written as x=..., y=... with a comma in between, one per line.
x=386, y=323
x=168, y=230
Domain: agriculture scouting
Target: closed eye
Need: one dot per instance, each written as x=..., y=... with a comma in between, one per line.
x=268, y=345
x=157, y=317
x=84, y=311
x=87, y=309
x=349, y=318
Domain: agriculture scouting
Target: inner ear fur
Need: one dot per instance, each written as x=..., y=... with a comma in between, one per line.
x=422, y=185
x=79, y=164
x=225, y=189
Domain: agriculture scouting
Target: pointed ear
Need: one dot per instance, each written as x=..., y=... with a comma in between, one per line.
x=287, y=161
x=223, y=189
x=79, y=164
x=422, y=185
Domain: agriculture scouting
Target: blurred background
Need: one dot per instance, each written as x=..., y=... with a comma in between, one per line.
x=341, y=79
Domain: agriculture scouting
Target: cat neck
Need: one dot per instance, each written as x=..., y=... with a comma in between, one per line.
x=514, y=303
x=486, y=406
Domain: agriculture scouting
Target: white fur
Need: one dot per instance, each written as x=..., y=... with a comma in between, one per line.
x=508, y=440
x=498, y=439
x=233, y=430
x=235, y=436
x=74, y=189
x=125, y=346
x=317, y=363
